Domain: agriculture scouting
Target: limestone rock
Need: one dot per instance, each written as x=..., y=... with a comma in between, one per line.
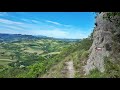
x=102, y=37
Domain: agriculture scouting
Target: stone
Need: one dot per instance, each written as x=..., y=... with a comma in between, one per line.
x=101, y=36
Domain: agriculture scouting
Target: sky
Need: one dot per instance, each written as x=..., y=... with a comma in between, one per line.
x=74, y=25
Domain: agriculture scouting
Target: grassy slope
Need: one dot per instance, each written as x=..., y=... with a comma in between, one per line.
x=36, y=46
x=78, y=53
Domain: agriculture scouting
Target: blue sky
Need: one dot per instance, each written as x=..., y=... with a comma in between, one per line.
x=75, y=25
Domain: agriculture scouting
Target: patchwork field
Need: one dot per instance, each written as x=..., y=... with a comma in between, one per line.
x=4, y=61
x=27, y=58
x=31, y=50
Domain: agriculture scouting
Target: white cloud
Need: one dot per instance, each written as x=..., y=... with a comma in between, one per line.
x=51, y=33
x=10, y=31
x=3, y=13
x=14, y=27
x=26, y=20
x=56, y=23
x=6, y=21
x=32, y=29
x=62, y=33
x=67, y=25
x=35, y=21
x=65, y=31
x=59, y=24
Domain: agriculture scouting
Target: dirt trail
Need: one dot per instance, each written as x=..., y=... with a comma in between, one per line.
x=67, y=71
x=70, y=69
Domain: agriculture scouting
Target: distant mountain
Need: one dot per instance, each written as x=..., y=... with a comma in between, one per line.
x=62, y=39
x=20, y=37
x=17, y=37
x=41, y=36
x=66, y=39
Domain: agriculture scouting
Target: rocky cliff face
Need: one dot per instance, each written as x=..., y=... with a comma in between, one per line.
x=102, y=39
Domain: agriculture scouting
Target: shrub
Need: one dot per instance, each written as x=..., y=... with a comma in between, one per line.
x=95, y=73
x=112, y=69
x=85, y=54
x=1, y=66
x=110, y=16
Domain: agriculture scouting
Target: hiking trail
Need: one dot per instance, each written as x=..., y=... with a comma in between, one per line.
x=70, y=69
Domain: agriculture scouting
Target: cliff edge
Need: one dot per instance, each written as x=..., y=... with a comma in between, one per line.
x=102, y=42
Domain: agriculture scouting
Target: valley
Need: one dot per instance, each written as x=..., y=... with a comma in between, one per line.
x=73, y=46
x=25, y=53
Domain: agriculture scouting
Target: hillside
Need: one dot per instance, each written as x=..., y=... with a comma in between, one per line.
x=97, y=56
x=19, y=52
x=76, y=54
x=15, y=37
x=100, y=58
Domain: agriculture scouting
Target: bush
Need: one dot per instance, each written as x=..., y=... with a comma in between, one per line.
x=85, y=54
x=35, y=69
x=1, y=66
x=112, y=69
x=110, y=16
x=95, y=73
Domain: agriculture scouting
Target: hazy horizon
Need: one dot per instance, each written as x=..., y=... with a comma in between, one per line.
x=70, y=25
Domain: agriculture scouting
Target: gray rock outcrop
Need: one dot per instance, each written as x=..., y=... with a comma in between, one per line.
x=102, y=38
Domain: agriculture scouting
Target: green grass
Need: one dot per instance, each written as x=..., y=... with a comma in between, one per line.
x=7, y=60
x=2, y=49
x=112, y=70
x=30, y=50
x=57, y=70
x=24, y=49
x=40, y=42
x=52, y=53
x=95, y=73
x=4, y=57
x=3, y=62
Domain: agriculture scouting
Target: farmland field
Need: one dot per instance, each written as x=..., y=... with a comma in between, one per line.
x=22, y=55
